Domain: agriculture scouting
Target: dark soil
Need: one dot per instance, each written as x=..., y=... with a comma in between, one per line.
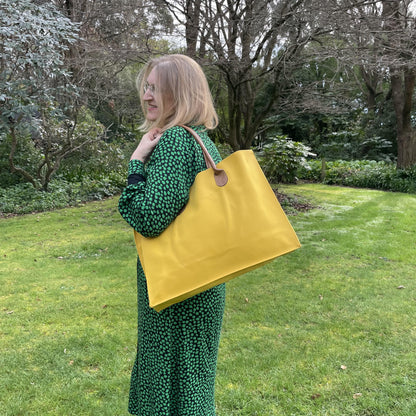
x=293, y=203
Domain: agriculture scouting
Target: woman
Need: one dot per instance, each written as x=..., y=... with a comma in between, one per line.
x=175, y=367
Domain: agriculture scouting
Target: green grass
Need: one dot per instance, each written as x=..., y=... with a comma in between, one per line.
x=67, y=312
x=325, y=330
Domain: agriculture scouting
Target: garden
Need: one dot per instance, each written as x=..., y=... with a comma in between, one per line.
x=327, y=330
x=324, y=96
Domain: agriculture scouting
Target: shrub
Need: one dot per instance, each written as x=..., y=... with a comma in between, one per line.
x=27, y=156
x=352, y=145
x=23, y=198
x=363, y=174
x=282, y=158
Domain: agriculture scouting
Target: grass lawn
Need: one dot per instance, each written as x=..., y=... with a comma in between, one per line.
x=327, y=330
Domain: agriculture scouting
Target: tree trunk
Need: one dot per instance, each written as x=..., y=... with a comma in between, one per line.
x=406, y=152
x=233, y=120
x=193, y=13
x=402, y=90
x=403, y=80
x=13, y=167
x=371, y=81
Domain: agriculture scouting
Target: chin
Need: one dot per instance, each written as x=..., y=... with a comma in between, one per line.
x=152, y=117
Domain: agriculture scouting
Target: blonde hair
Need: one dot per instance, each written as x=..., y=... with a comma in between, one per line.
x=181, y=81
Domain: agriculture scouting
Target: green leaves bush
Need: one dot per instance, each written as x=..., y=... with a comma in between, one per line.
x=24, y=198
x=363, y=174
x=282, y=158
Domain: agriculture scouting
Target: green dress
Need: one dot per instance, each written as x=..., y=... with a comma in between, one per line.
x=175, y=366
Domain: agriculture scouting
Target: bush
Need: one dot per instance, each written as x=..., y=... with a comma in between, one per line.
x=97, y=158
x=282, y=158
x=24, y=198
x=362, y=174
x=350, y=145
x=27, y=156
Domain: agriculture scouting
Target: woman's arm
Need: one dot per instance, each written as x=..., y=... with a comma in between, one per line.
x=156, y=194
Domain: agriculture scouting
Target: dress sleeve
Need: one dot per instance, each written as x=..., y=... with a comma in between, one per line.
x=157, y=192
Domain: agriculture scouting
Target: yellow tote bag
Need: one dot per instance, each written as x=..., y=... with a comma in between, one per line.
x=232, y=223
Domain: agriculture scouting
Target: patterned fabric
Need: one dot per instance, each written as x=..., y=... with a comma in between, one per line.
x=175, y=366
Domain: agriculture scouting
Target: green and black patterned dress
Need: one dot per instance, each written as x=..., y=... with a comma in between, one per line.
x=175, y=367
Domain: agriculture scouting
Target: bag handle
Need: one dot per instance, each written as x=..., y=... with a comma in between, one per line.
x=220, y=175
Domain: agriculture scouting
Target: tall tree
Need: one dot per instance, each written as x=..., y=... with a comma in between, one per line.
x=115, y=34
x=399, y=45
x=379, y=38
x=255, y=45
x=35, y=86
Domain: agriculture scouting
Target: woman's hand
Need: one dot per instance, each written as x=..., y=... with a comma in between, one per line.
x=147, y=145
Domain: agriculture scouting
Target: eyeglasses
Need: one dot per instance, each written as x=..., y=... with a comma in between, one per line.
x=149, y=87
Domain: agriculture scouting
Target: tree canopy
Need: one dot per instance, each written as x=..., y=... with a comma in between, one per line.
x=340, y=72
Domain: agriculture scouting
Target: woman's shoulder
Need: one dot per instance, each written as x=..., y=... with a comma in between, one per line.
x=180, y=134
x=175, y=142
x=182, y=130
x=174, y=133
x=179, y=139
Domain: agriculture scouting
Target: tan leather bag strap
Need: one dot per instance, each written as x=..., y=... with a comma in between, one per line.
x=220, y=175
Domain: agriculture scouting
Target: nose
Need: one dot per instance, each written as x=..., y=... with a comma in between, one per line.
x=147, y=95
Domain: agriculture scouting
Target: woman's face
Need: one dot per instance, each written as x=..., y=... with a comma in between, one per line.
x=154, y=98
x=151, y=96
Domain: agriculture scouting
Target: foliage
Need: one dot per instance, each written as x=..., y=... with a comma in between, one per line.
x=121, y=114
x=117, y=37
x=282, y=158
x=363, y=174
x=352, y=145
x=381, y=124
x=23, y=198
x=28, y=157
x=253, y=66
x=35, y=87
x=60, y=139
x=380, y=48
x=53, y=141
x=95, y=159
x=349, y=136
x=34, y=76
